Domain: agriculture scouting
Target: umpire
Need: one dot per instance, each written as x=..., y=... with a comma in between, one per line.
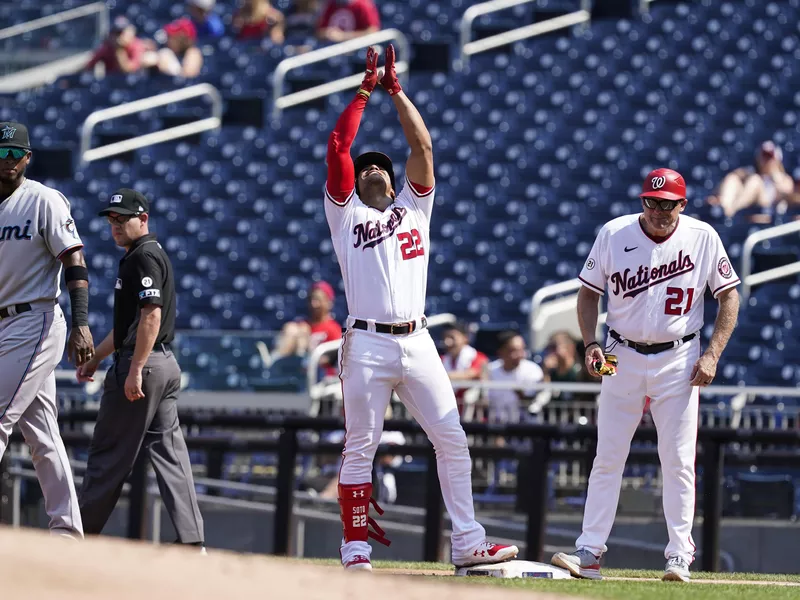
x=139, y=405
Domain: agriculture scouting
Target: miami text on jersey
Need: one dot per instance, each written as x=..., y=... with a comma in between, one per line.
x=373, y=233
x=14, y=231
x=646, y=277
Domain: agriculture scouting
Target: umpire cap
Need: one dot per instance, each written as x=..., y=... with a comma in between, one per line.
x=374, y=158
x=126, y=202
x=665, y=184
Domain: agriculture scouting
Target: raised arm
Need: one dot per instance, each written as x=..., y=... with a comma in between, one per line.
x=341, y=172
x=419, y=168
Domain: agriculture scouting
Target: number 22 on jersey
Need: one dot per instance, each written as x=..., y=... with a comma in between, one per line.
x=410, y=244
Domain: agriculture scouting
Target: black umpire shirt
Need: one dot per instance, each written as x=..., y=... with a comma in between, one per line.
x=145, y=278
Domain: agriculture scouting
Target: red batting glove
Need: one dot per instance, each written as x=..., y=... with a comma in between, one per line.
x=389, y=80
x=371, y=76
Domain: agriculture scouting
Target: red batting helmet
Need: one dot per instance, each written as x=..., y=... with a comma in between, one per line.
x=665, y=184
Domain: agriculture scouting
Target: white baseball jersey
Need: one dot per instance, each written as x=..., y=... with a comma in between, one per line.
x=383, y=255
x=504, y=404
x=656, y=288
x=36, y=228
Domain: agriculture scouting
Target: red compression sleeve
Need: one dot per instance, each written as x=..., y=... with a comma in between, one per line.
x=341, y=172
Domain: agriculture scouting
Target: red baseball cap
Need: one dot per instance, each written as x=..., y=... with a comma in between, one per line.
x=665, y=184
x=324, y=287
x=182, y=26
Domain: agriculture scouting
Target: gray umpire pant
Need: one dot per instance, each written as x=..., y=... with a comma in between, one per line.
x=123, y=429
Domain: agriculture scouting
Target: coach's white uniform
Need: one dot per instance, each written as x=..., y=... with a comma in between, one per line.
x=655, y=295
x=36, y=229
x=384, y=262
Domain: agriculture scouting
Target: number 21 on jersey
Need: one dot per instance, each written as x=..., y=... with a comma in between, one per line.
x=675, y=297
x=410, y=244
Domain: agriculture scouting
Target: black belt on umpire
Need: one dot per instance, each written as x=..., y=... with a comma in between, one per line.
x=392, y=328
x=651, y=348
x=129, y=350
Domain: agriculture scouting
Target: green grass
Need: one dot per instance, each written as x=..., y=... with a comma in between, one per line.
x=646, y=590
x=627, y=590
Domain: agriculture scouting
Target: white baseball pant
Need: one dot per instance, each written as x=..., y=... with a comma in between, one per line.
x=674, y=404
x=371, y=366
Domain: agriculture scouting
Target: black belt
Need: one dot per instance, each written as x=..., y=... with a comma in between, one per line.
x=392, y=328
x=17, y=309
x=130, y=349
x=651, y=348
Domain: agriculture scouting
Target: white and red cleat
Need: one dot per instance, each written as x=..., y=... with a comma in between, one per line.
x=486, y=553
x=359, y=563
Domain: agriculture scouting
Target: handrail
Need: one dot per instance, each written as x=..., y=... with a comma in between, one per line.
x=750, y=279
x=468, y=47
x=281, y=102
x=75, y=13
x=546, y=292
x=88, y=154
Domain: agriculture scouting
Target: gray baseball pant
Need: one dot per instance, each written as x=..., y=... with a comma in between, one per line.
x=123, y=429
x=31, y=346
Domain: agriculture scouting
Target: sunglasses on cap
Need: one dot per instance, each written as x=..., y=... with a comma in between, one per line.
x=665, y=205
x=16, y=153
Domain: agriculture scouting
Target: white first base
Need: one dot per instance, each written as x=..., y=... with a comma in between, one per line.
x=513, y=569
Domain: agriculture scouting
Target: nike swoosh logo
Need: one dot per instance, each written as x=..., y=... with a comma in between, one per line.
x=630, y=249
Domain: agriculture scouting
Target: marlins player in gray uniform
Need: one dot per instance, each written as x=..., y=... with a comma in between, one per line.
x=37, y=237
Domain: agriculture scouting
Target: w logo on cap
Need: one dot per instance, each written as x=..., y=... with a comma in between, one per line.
x=658, y=182
x=8, y=132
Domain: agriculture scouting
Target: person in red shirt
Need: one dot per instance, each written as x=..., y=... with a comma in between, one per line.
x=461, y=361
x=302, y=336
x=344, y=20
x=122, y=51
x=257, y=19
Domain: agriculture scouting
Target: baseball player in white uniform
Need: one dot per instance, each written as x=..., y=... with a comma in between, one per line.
x=37, y=236
x=382, y=242
x=656, y=266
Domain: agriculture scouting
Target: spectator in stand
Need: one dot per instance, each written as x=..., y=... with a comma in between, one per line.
x=257, y=19
x=766, y=185
x=301, y=337
x=505, y=405
x=462, y=362
x=344, y=20
x=180, y=56
x=207, y=23
x=562, y=362
x=302, y=19
x=122, y=51
x=301, y=25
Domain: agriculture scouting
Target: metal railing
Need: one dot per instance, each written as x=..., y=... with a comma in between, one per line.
x=545, y=444
x=42, y=67
x=750, y=279
x=543, y=301
x=98, y=8
x=89, y=154
x=281, y=101
x=468, y=47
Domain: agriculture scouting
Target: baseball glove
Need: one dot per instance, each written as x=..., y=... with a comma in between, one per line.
x=608, y=368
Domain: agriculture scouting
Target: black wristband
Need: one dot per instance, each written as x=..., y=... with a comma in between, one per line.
x=77, y=273
x=79, y=299
x=590, y=345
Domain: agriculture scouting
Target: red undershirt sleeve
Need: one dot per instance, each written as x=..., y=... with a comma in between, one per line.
x=341, y=172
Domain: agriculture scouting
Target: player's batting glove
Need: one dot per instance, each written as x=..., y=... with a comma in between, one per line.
x=371, y=76
x=389, y=80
